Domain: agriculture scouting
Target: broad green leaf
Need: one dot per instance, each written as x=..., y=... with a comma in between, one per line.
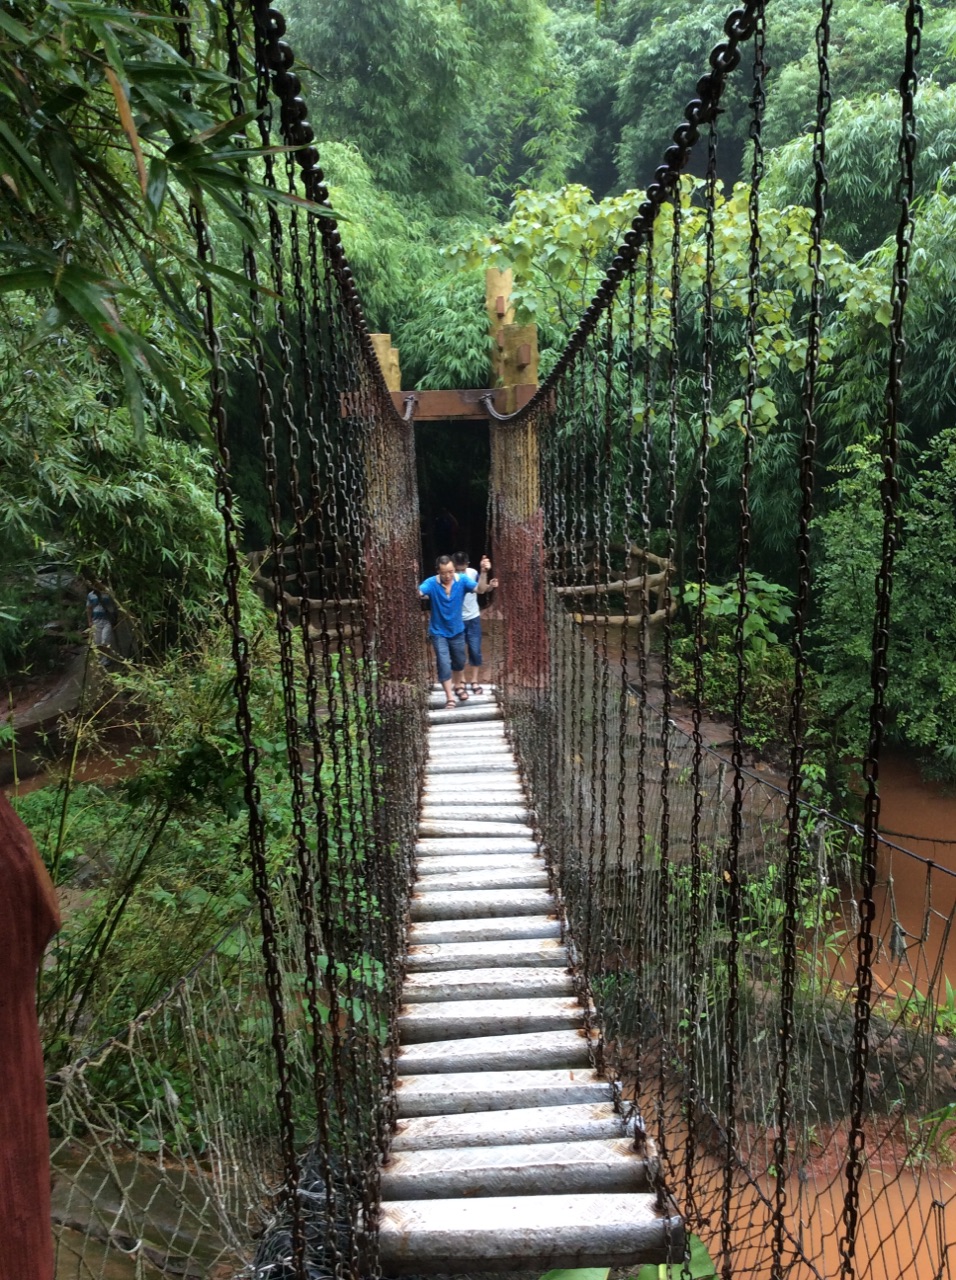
x=578, y=1273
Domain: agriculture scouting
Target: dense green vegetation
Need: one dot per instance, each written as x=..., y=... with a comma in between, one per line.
x=455, y=134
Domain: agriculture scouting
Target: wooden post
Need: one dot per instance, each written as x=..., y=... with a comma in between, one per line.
x=498, y=302
x=514, y=347
x=388, y=360
x=29, y=916
x=518, y=355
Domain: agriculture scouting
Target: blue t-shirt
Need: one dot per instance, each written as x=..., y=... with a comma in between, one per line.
x=446, y=609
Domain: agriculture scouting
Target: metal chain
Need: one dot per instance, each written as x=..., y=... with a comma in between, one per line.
x=879, y=674
x=664, y=895
x=739, y=26
x=798, y=696
x=732, y=870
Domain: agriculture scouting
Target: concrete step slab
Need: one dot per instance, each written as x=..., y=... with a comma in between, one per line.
x=478, y=783
x=456, y=904
x=523, y=1169
x=445, y=828
x=442, y=791
x=495, y=877
x=458, y=1093
x=473, y=699
x=503, y=983
x=439, y=765
x=463, y=714
x=531, y=953
x=469, y=737
x=533, y=1050
x=435, y=864
x=476, y=809
x=444, y=845
x=454, y=1020
x=508, y=1233
x=542, y=927
x=575, y=1122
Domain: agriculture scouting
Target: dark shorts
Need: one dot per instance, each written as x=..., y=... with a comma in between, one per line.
x=473, y=641
x=449, y=654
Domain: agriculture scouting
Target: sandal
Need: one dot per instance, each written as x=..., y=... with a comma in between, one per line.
x=461, y=693
x=450, y=704
x=476, y=688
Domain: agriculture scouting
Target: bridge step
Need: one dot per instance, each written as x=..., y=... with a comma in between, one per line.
x=444, y=845
x=509, y=953
x=604, y=1164
x=481, y=827
x=475, y=810
x=460, y=1020
x=474, y=1092
x=507, y=1233
x=532, y=876
x=525, y=1051
x=463, y=714
x=471, y=738
x=487, y=984
x=435, y=864
x=487, y=761
x=577, y=1122
x=499, y=788
x=510, y=1151
x=458, y=904
x=485, y=929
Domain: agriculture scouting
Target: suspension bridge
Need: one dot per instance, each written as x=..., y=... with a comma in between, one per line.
x=548, y=982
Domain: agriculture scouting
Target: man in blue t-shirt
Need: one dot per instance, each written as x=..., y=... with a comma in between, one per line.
x=445, y=593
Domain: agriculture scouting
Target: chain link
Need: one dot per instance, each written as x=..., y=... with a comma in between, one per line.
x=879, y=674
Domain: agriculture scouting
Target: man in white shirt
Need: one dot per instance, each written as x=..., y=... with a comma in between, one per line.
x=472, y=619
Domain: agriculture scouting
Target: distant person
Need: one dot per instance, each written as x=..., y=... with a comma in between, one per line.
x=471, y=617
x=445, y=593
x=101, y=618
x=446, y=531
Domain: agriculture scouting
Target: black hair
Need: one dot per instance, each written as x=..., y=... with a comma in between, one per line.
x=443, y=560
x=460, y=559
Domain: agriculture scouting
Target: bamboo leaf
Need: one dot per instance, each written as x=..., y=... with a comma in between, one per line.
x=129, y=127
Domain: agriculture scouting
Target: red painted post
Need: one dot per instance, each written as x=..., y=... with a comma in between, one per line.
x=29, y=917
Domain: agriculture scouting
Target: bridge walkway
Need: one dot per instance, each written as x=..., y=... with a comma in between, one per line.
x=510, y=1150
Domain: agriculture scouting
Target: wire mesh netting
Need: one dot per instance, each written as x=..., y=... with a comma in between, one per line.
x=771, y=983
x=237, y=1126
x=776, y=1013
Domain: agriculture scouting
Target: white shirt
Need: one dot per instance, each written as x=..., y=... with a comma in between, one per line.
x=469, y=606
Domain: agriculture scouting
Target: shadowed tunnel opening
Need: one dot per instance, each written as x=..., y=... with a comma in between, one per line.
x=453, y=461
